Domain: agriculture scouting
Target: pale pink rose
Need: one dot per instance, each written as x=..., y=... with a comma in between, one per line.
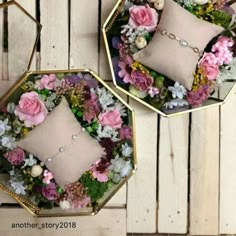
x=210, y=71
x=111, y=118
x=47, y=82
x=15, y=156
x=31, y=109
x=143, y=16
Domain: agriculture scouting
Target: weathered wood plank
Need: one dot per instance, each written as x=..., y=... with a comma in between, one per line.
x=141, y=202
x=20, y=27
x=204, y=172
x=16, y=59
x=227, y=169
x=54, y=36
x=104, y=69
x=84, y=34
x=109, y=222
x=173, y=175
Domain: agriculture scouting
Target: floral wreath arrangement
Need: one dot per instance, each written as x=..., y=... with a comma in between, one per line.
x=173, y=54
x=67, y=119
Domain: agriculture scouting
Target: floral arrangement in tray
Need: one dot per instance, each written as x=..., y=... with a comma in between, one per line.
x=98, y=111
x=133, y=30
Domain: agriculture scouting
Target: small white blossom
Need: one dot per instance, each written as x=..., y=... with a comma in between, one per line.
x=227, y=72
x=116, y=178
x=8, y=142
x=120, y=166
x=176, y=103
x=65, y=205
x=126, y=150
x=178, y=91
x=11, y=107
x=18, y=187
x=36, y=171
x=29, y=161
x=107, y=132
x=126, y=170
x=118, y=106
x=105, y=98
x=4, y=127
x=117, y=164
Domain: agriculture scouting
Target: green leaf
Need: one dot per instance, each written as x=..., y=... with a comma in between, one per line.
x=95, y=189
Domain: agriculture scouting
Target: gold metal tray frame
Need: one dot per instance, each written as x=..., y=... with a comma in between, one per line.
x=107, y=26
x=33, y=209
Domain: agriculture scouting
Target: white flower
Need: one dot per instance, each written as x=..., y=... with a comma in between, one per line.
x=126, y=150
x=17, y=126
x=105, y=98
x=159, y=4
x=36, y=171
x=107, y=132
x=178, y=91
x=116, y=178
x=29, y=161
x=227, y=72
x=4, y=127
x=8, y=142
x=117, y=164
x=140, y=42
x=11, y=107
x=175, y=103
x=137, y=93
x=201, y=2
x=65, y=205
x=126, y=170
x=18, y=187
x=118, y=106
x=12, y=172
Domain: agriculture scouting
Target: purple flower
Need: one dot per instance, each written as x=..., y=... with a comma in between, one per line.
x=50, y=191
x=91, y=108
x=116, y=41
x=141, y=80
x=15, y=156
x=109, y=146
x=125, y=133
x=116, y=68
x=90, y=81
x=73, y=79
x=196, y=98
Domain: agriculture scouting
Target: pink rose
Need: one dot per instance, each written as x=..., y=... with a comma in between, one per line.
x=31, y=109
x=141, y=80
x=111, y=118
x=47, y=82
x=210, y=71
x=143, y=16
x=15, y=156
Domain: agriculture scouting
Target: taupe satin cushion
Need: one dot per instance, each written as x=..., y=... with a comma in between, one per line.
x=166, y=56
x=55, y=132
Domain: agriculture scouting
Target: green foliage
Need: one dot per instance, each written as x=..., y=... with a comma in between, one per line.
x=94, y=188
x=221, y=18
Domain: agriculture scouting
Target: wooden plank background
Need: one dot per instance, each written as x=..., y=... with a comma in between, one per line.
x=186, y=178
